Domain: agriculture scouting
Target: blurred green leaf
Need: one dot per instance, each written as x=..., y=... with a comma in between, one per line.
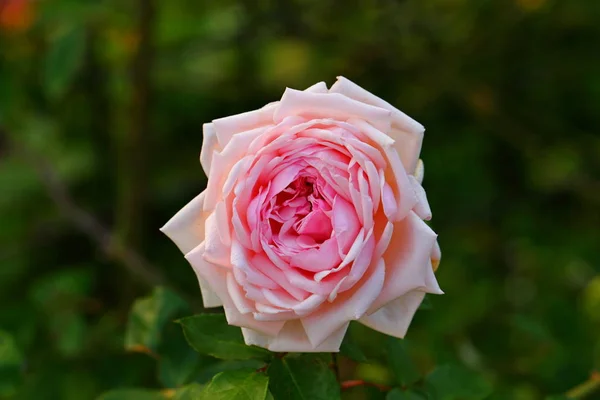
x=213, y=366
x=301, y=377
x=189, y=392
x=63, y=60
x=399, y=394
x=351, y=349
x=453, y=382
x=62, y=289
x=591, y=299
x=70, y=330
x=148, y=317
x=132, y=394
x=62, y=296
x=210, y=334
x=374, y=372
x=178, y=363
x=237, y=385
x=403, y=367
x=11, y=362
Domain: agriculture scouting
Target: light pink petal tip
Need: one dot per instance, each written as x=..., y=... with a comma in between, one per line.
x=186, y=228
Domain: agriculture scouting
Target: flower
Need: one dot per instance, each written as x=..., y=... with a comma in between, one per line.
x=312, y=218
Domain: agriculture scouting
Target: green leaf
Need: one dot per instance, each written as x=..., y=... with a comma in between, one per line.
x=62, y=289
x=178, y=363
x=148, y=317
x=213, y=366
x=399, y=394
x=190, y=392
x=11, y=362
x=351, y=349
x=237, y=385
x=210, y=334
x=63, y=61
x=401, y=364
x=453, y=382
x=132, y=394
x=303, y=377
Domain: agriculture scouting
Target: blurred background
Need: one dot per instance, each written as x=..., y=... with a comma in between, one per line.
x=101, y=108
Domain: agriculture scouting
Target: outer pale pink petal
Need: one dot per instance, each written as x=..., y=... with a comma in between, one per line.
x=222, y=163
x=216, y=277
x=348, y=306
x=226, y=127
x=292, y=338
x=406, y=196
x=407, y=132
x=214, y=250
x=329, y=105
x=394, y=318
x=186, y=228
x=408, y=147
x=348, y=88
x=408, y=261
x=319, y=87
x=422, y=208
x=209, y=146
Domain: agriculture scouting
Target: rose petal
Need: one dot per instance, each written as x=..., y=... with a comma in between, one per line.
x=327, y=105
x=215, y=251
x=348, y=88
x=238, y=297
x=216, y=277
x=264, y=265
x=209, y=146
x=292, y=338
x=384, y=240
x=186, y=228
x=348, y=306
x=227, y=127
x=318, y=259
x=422, y=208
x=345, y=224
x=407, y=132
x=408, y=261
x=319, y=87
x=404, y=194
x=394, y=318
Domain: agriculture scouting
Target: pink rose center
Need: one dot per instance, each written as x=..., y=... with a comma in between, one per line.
x=299, y=217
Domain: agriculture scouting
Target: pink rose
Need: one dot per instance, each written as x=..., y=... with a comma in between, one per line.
x=312, y=218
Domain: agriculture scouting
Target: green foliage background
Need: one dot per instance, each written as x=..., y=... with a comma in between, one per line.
x=110, y=96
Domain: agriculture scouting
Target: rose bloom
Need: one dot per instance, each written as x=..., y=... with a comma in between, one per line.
x=312, y=218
